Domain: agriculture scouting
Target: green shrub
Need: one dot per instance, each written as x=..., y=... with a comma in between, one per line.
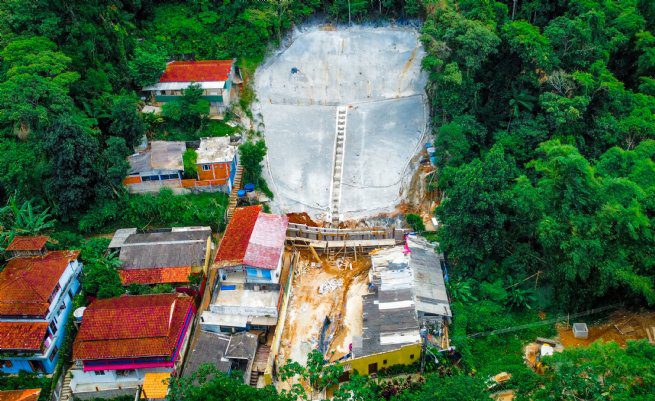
x=163, y=209
x=190, y=158
x=416, y=222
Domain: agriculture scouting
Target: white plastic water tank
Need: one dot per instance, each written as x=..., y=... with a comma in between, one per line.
x=78, y=313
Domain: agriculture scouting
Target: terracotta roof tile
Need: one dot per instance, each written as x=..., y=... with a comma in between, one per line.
x=155, y=275
x=20, y=395
x=235, y=241
x=27, y=283
x=132, y=326
x=27, y=336
x=253, y=238
x=20, y=243
x=197, y=71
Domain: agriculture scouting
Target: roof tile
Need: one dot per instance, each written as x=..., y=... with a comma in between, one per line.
x=132, y=326
x=253, y=238
x=23, y=336
x=20, y=243
x=197, y=71
x=20, y=395
x=27, y=283
x=155, y=276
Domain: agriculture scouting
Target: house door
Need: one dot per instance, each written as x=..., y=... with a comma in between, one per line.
x=372, y=368
x=37, y=366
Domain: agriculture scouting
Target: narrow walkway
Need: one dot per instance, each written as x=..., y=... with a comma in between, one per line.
x=233, y=195
x=337, y=169
x=66, y=392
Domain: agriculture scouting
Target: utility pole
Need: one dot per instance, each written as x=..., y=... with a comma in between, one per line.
x=514, y=9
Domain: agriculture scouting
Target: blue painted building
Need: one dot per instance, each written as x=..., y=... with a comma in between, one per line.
x=36, y=298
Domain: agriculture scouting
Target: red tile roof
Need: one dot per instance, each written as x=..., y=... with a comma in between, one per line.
x=27, y=283
x=132, y=327
x=20, y=395
x=23, y=336
x=197, y=71
x=27, y=243
x=253, y=238
x=155, y=275
x=235, y=241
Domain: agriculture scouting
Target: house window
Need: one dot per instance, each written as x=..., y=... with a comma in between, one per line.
x=150, y=178
x=53, y=354
x=206, y=167
x=384, y=362
x=99, y=372
x=54, y=292
x=53, y=327
x=411, y=356
x=124, y=372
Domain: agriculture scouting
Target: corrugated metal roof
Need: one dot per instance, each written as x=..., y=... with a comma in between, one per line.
x=409, y=285
x=167, y=155
x=165, y=249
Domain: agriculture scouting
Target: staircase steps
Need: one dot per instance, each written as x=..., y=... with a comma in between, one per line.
x=66, y=392
x=254, y=378
x=337, y=169
x=233, y=195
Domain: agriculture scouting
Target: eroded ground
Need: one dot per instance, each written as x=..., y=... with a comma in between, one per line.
x=308, y=308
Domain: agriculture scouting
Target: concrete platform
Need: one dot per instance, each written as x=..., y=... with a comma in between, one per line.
x=375, y=73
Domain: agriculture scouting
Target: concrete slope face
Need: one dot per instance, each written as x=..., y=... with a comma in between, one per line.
x=339, y=165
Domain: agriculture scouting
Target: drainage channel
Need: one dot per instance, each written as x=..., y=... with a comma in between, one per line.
x=337, y=167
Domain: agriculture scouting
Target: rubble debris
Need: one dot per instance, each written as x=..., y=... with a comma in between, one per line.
x=330, y=286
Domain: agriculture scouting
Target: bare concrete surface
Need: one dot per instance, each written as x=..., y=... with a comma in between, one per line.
x=373, y=72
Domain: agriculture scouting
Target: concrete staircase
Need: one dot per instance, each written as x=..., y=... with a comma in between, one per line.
x=254, y=378
x=233, y=195
x=66, y=392
x=337, y=168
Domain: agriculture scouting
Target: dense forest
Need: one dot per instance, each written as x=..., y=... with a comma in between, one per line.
x=544, y=130
x=543, y=114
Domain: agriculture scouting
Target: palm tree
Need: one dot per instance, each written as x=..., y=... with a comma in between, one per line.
x=520, y=100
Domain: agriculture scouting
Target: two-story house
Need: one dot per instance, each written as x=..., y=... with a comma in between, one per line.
x=216, y=163
x=248, y=293
x=36, y=298
x=121, y=339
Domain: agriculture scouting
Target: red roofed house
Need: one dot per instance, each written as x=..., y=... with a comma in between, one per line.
x=20, y=395
x=27, y=246
x=249, y=261
x=36, y=297
x=215, y=77
x=121, y=339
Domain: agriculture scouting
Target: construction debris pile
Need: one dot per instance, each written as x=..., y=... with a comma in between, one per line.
x=330, y=286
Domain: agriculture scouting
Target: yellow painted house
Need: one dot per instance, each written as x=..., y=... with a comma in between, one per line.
x=371, y=364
